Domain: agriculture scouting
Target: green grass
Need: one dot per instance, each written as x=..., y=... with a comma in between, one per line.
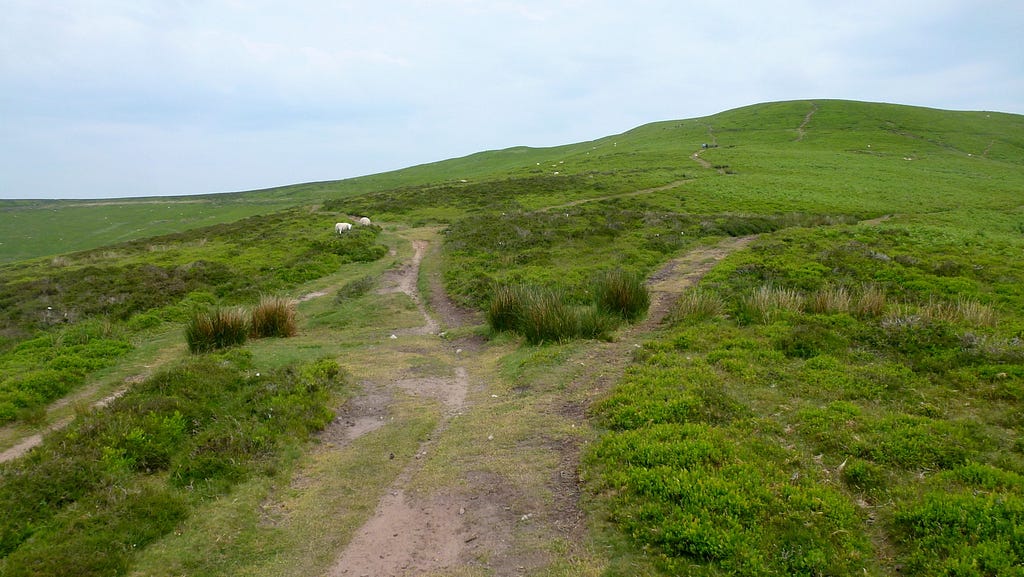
x=836, y=399
x=184, y=436
x=812, y=441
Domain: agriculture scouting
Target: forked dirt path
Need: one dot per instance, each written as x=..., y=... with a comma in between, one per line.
x=412, y=533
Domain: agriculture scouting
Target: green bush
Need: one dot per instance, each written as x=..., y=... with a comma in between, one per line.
x=217, y=329
x=621, y=293
x=274, y=317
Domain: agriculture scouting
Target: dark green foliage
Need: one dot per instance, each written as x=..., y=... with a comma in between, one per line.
x=356, y=245
x=621, y=294
x=811, y=338
x=217, y=329
x=274, y=317
x=355, y=288
x=235, y=262
x=864, y=364
x=40, y=370
x=98, y=537
x=117, y=479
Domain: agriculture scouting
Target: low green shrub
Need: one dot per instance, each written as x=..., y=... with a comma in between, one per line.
x=274, y=317
x=217, y=329
x=94, y=494
x=355, y=288
x=621, y=293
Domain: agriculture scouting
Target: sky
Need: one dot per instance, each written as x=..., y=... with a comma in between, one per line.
x=128, y=98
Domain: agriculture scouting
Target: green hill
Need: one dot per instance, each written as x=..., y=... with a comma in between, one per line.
x=854, y=156
x=836, y=390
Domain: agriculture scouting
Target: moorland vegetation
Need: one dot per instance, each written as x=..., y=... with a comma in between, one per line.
x=842, y=397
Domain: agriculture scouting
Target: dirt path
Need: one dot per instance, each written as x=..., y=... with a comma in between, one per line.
x=412, y=533
x=409, y=534
x=802, y=129
x=703, y=163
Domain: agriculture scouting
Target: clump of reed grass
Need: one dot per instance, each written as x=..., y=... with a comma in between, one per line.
x=621, y=293
x=274, y=317
x=697, y=305
x=545, y=315
x=217, y=329
x=768, y=303
x=964, y=310
x=505, y=308
x=871, y=302
x=830, y=300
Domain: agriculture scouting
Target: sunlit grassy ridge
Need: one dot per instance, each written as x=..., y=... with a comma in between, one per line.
x=840, y=398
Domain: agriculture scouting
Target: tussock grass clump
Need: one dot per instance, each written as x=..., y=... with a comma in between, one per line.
x=871, y=302
x=506, y=307
x=274, y=317
x=964, y=310
x=697, y=305
x=545, y=315
x=622, y=293
x=830, y=300
x=768, y=303
x=217, y=329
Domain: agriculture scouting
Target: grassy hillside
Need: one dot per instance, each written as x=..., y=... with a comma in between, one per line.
x=844, y=396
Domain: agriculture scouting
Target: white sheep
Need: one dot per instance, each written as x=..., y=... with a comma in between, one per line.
x=364, y=221
x=342, y=227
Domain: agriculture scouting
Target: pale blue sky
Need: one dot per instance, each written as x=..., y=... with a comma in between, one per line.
x=112, y=98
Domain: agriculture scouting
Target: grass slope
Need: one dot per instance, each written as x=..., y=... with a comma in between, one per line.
x=841, y=398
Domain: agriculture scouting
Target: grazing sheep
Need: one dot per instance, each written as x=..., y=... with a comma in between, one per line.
x=364, y=221
x=342, y=227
